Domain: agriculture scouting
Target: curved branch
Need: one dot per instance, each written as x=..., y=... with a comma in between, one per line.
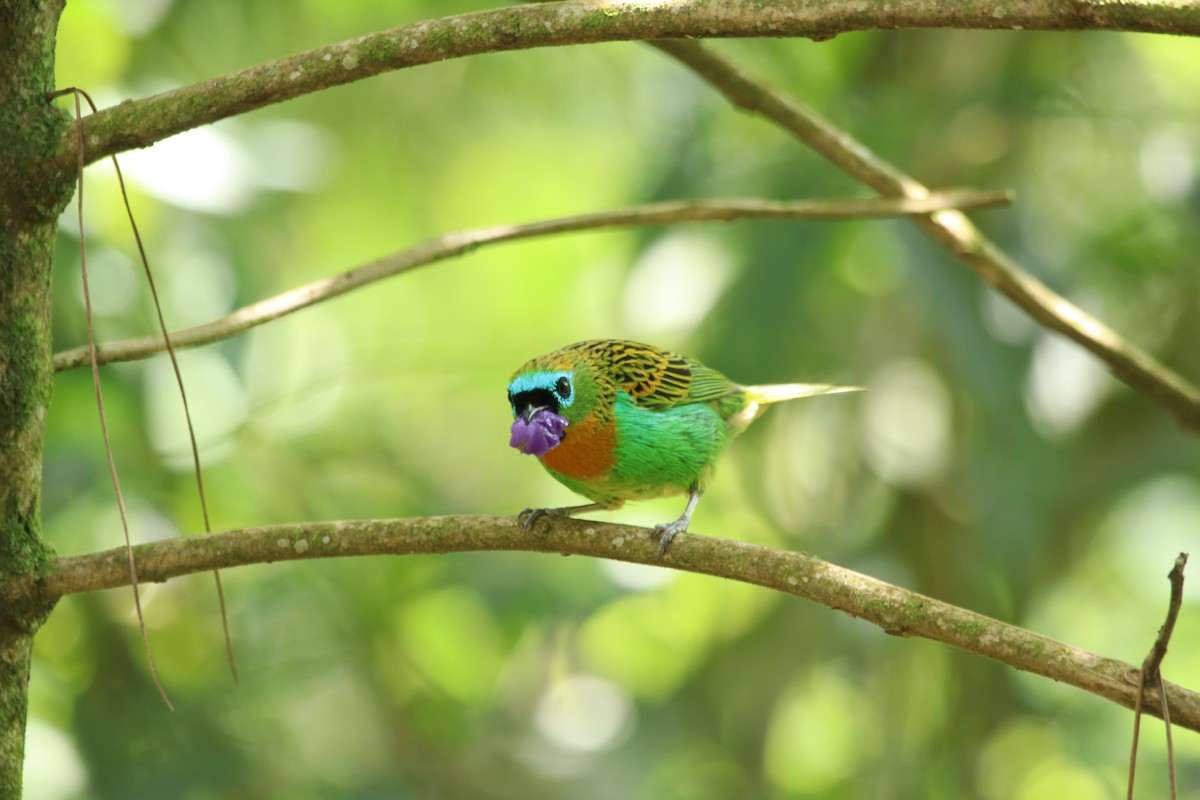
x=460, y=242
x=897, y=611
x=951, y=229
x=140, y=123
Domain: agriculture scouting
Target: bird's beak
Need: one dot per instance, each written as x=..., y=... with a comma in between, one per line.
x=529, y=411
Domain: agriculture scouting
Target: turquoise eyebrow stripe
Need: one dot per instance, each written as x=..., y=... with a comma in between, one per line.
x=540, y=380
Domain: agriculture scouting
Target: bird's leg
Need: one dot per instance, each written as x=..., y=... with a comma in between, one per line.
x=532, y=515
x=668, y=530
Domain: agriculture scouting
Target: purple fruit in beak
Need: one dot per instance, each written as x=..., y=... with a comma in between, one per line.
x=538, y=434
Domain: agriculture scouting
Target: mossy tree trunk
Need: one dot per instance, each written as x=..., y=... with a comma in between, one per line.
x=31, y=197
x=36, y=180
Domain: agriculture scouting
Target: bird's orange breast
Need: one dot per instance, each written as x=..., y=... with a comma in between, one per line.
x=586, y=451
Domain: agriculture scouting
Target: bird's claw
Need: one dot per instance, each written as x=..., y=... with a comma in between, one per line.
x=666, y=532
x=531, y=515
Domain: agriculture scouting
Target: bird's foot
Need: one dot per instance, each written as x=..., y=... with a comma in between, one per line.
x=667, y=531
x=531, y=515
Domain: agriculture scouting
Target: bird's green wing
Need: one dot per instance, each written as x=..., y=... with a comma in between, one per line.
x=708, y=384
x=655, y=378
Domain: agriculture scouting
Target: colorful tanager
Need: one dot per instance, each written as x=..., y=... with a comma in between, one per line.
x=615, y=420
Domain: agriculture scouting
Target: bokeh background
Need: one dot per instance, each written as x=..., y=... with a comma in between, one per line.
x=991, y=465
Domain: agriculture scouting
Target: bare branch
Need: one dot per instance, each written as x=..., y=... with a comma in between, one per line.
x=1158, y=651
x=141, y=123
x=895, y=610
x=460, y=242
x=1150, y=675
x=951, y=229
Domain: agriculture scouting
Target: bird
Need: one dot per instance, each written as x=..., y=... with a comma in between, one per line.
x=615, y=420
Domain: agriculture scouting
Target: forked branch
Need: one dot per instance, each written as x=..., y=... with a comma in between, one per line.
x=951, y=229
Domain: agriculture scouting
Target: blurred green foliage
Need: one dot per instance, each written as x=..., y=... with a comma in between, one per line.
x=991, y=465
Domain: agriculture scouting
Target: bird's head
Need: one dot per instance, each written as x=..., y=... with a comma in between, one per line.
x=548, y=395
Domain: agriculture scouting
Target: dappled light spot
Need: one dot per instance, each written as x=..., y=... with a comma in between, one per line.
x=1166, y=165
x=675, y=283
x=53, y=768
x=215, y=397
x=584, y=713
x=822, y=732
x=196, y=279
x=907, y=426
x=114, y=285
x=214, y=171
x=203, y=169
x=452, y=640
x=1014, y=752
x=1004, y=320
x=1149, y=526
x=1065, y=384
x=636, y=577
x=1062, y=777
x=295, y=373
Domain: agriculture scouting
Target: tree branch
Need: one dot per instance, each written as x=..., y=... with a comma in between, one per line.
x=460, y=242
x=140, y=123
x=951, y=229
x=1158, y=651
x=895, y=610
x=1150, y=675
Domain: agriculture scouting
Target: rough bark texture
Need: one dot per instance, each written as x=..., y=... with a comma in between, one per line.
x=143, y=122
x=30, y=129
x=898, y=611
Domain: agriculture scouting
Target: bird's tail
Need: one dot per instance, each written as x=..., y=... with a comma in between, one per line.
x=778, y=392
x=759, y=397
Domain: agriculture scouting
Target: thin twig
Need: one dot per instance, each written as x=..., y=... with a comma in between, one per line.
x=951, y=229
x=1166, y=717
x=187, y=413
x=108, y=453
x=460, y=242
x=892, y=608
x=1137, y=731
x=1151, y=674
x=1158, y=651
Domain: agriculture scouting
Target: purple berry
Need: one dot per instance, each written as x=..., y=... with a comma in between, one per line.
x=540, y=434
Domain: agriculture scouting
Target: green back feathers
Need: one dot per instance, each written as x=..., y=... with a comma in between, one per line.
x=658, y=380
x=655, y=379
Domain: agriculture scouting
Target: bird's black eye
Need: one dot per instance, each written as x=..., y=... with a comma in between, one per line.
x=563, y=388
